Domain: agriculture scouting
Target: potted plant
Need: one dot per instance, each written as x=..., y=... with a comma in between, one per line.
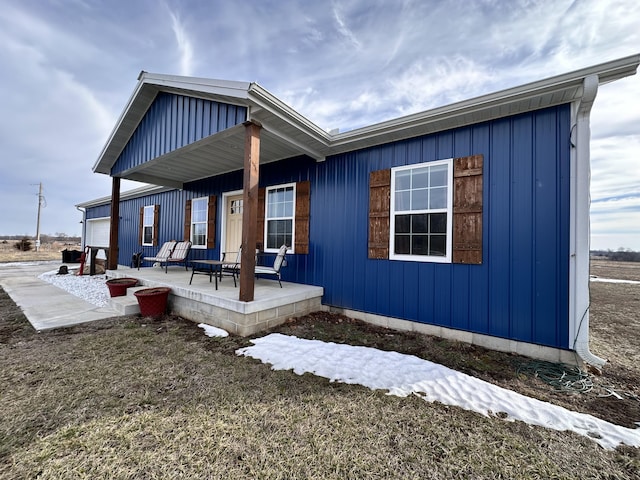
x=153, y=301
x=118, y=286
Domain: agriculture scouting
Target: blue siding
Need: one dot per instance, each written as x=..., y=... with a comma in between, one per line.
x=172, y=122
x=521, y=289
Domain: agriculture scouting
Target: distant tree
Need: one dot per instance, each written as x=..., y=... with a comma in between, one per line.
x=24, y=245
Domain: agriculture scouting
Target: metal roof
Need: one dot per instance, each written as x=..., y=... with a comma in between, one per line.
x=286, y=133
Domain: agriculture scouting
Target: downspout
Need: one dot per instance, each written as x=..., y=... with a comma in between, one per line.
x=84, y=225
x=579, y=221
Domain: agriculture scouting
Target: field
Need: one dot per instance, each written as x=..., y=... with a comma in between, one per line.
x=131, y=397
x=47, y=251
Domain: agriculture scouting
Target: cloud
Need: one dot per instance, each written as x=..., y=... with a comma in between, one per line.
x=185, y=47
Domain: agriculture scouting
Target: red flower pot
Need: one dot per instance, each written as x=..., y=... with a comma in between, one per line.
x=153, y=301
x=118, y=286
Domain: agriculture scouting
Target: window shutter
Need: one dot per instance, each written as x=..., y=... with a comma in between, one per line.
x=467, y=209
x=141, y=229
x=260, y=219
x=303, y=207
x=211, y=222
x=379, y=206
x=156, y=224
x=187, y=221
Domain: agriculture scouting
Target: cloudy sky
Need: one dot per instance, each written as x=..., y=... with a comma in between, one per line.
x=69, y=67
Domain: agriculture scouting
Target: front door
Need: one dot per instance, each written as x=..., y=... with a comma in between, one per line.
x=233, y=225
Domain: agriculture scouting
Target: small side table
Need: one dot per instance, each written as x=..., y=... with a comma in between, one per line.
x=213, y=268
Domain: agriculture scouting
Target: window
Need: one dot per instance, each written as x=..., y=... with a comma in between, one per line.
x=279, y=217
x=199, y=208
x=421, y=213
x=148, y=217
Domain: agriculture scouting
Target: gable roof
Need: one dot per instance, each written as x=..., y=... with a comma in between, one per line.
x=286, y=133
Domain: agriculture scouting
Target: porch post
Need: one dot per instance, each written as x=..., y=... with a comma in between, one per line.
x=250, y=209
x=112, y=261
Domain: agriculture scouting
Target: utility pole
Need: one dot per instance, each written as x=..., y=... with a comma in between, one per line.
x=40, y=198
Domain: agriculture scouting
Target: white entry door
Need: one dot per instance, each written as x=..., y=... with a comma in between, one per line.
x=233, y=223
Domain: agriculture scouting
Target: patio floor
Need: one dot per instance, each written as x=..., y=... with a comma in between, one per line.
x=202, y=303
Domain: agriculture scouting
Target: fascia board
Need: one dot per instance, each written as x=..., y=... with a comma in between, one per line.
x=264, y=99
x=129, y=194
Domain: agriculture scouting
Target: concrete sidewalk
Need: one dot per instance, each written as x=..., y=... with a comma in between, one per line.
x=45, y=305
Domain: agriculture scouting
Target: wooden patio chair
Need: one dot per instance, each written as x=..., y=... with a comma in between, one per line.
x=278, y=263
x=163, y=254
x=179, y=254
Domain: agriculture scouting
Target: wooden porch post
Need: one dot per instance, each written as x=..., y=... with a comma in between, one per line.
x=112, y=261
x=250, y=209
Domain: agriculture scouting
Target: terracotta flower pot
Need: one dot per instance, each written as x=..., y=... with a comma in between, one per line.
x=118, y=286
x=153, y=301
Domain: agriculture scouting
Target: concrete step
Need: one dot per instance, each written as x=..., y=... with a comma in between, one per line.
x=125, y=305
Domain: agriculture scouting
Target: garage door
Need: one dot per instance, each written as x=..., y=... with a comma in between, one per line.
x=97, y=234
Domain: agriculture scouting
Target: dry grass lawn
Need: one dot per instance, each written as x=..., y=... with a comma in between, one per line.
x=48, y=251
x=135, y=398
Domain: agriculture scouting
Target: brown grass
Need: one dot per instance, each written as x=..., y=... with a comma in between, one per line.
x=47, y=251
x=135, y=398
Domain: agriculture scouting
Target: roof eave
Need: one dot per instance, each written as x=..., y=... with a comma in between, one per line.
x=149, y=84
x=461, y=113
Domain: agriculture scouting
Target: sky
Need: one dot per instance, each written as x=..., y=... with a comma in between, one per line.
x=70, y=66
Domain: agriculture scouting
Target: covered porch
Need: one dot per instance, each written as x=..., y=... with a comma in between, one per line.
x=200, y=302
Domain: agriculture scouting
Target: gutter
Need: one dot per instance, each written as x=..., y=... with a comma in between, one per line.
x=84, y=225
x=579, y=223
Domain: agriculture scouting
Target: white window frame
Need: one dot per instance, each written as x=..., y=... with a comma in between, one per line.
x=147, y=208
x=206, y=222
x=449, y=211
x=267, y=219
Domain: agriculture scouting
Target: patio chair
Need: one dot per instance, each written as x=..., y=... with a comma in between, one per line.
x=278, y=263
x=163, y=254
x=230, y=267
x=179, y=254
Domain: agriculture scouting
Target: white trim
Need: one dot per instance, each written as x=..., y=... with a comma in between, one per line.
x=152, y=207
x=449, y=211
x=223, y=218
x=206, y=224
x=291, y=248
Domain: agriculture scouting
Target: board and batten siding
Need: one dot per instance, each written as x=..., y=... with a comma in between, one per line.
x=520, y=290
x=174, y=121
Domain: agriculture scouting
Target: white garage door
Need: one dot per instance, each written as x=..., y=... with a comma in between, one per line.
x=98, y=232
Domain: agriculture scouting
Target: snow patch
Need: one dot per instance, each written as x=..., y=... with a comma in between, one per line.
x=211, y=331
x=403, y=375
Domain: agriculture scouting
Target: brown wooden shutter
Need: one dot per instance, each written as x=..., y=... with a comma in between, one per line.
x=156, y=224
x=379, y=207
x=141, y=229
x=303, y=207
x=187, y=221
x=211, y=222
x=260, y=219
x=467, y=209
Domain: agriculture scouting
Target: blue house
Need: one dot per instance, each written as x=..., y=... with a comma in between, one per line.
x=468, y=221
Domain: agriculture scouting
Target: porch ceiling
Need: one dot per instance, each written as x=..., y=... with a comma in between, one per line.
x=213, y=155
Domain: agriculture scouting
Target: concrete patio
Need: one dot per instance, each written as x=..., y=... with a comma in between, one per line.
x=201, y=302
